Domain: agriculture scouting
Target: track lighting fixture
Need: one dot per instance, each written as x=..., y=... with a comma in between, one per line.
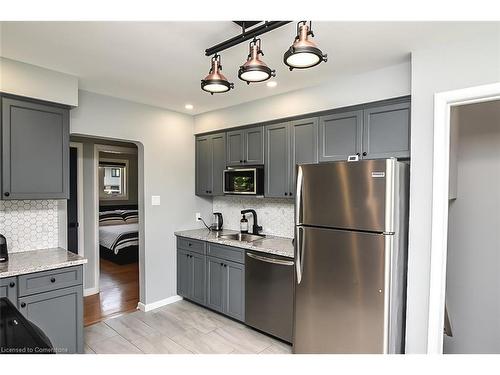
x=215, y=82
x=303, y=53
x=254, y=69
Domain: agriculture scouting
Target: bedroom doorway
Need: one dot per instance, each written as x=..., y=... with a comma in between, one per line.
x=111, y=195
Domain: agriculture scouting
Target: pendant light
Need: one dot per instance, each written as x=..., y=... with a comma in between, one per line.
x=215, y=82
x=254, y=69
x=303, y=53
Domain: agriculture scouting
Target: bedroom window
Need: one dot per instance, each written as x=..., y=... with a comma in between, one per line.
x=113, y=182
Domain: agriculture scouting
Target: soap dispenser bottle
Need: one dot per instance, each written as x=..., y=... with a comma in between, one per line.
x=244, y=224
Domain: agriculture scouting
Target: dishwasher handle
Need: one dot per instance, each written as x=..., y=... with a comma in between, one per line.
x=271, y=260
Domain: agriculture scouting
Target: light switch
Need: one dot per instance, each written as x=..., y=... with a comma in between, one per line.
x=155, y=200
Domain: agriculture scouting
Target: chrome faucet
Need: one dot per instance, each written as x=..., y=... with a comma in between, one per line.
x=255, y=227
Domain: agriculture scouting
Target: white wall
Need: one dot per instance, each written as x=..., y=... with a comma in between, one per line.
x=456, y=65
x=166, y=165
x=35, y=82
x=473, y=269
x=389, y=82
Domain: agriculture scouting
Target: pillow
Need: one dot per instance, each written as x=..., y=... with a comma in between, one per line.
x=130, y=216
x=111, y=218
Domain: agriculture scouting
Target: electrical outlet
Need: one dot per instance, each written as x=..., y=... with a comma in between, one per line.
x=198, y=216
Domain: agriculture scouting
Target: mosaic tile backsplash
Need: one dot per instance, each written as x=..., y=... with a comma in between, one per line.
x=29, y=225
x=274, y=214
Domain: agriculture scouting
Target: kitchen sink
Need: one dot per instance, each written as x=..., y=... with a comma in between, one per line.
x=242, y=237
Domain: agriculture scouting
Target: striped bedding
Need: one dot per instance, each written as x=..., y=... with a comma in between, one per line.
x=119, y=237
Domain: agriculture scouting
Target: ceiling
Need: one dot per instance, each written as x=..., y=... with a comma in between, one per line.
x=162, y=63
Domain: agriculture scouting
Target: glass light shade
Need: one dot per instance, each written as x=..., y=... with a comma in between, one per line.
x=302, y=60
x=215, y=87
x=254, y=76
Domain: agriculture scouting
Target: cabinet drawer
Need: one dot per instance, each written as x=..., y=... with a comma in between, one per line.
x=226, y=252
x=191, y=245
x=8, y=288
x=49, y=280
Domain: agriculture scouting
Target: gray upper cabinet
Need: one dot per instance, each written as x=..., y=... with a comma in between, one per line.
x=386, y=131
x=35, y=150
x=59, y=314
x=277, y=160
x=254, y=146
x=8, y=288
x=210, y=164
x=340, y=135
x=245, y=146
x=304, y=145
x=218, y=163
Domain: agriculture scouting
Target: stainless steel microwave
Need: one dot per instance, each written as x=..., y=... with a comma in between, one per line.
x=244, y=180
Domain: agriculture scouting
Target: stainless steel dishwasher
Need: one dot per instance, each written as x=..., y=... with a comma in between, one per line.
x=269, y=293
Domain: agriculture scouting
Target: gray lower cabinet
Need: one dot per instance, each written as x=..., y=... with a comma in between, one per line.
x=210, y=164
x=34, y=150
x=8, y=288
x=215, y=279
x=386, y=131
x=215, y=284
x=340, y=135
x=191, y=282
x=245, y=146
x=59, y=314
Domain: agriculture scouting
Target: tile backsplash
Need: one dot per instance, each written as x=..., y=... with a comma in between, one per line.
x=274, y=214
x=29, y=225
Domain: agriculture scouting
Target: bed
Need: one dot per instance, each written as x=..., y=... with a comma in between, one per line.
x=119, y=234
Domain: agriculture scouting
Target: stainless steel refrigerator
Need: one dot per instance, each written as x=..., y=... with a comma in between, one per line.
x=350, y=251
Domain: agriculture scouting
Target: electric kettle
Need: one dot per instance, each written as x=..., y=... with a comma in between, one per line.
x=217, y=221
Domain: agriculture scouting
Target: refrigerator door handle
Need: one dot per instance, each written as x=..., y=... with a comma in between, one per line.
x=298, y=196
x=299, y=252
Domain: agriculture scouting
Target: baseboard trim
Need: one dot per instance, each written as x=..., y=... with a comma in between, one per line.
x=90, y=291
x=151, y=306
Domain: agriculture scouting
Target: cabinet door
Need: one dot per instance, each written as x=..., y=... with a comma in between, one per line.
x=235, y=147
x=304, y=146
x=234, y=290
x=183, y=274
x=277, y=157
x=215, y=284
x=254, y=146
x=218, y=162
x=386, y=131
x=203, y=165
x=59, y=314
x=198, y=281
x=35, y=151
x=8, y=288
x=340, y=135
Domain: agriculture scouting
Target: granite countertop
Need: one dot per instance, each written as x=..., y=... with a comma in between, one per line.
x=269, y=244
x=24, y=262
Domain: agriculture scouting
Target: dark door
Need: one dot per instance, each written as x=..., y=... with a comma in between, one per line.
x=218, y=162
x=183, y=274
x=254, y=146
x=235, y=147
x=72, y=207
x=215, y=280
x=203, y=165
x=304, y=146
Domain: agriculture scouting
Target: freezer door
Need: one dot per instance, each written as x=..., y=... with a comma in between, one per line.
x=350, y=195
x=340, y=299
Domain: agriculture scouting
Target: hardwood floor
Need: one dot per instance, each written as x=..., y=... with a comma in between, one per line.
x=119, y=285
x=178, y=328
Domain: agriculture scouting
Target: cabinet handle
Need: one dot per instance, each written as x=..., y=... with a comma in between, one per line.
x=23, y=304
x=190, y=244
x=241, y=161
x=222, y=264
x=225, y=265
x=6, y=193
x=290, y=193
x=364, y=153
x=12, y=284
x=357, y=153
x=244, y=161
x=52, y=279
x=286, y=193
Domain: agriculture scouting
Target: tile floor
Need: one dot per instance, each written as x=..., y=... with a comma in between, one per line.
x=178, y=328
